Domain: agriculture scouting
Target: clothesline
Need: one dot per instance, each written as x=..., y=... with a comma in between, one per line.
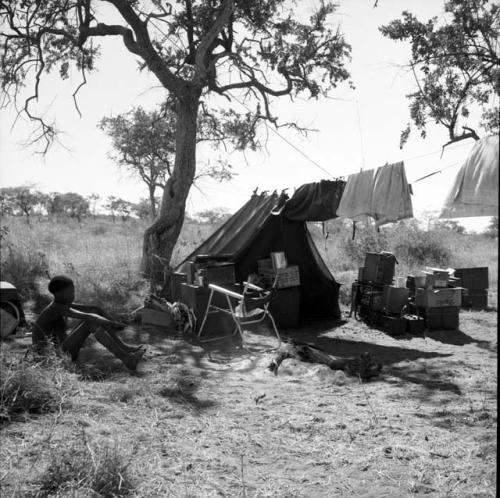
x=435, y=172
x=302, y=153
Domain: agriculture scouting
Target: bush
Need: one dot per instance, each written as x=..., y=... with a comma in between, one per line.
x=366, y=239
x=102, y=471
x=22, y=266
x=419, y=248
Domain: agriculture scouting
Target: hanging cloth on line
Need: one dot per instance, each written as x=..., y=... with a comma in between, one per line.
x=315, y=201
x=475, y=191
x=382, y=194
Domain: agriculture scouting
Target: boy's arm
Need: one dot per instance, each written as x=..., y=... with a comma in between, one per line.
x=71, y=312
x=87, y=308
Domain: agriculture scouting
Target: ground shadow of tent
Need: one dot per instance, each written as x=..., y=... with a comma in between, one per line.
x=259, y=228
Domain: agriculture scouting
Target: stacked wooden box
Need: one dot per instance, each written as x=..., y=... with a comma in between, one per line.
x=191, y=288
x=436, y=302
x=474, y=283
x=285, y=306
x=379, y=302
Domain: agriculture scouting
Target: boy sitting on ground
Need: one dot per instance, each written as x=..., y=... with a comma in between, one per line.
x=51, y=325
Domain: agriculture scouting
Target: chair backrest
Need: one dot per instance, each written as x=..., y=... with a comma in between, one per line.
x=256, y=297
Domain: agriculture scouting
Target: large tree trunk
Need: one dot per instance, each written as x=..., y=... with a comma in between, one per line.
x=152, y=201
x=160, y=238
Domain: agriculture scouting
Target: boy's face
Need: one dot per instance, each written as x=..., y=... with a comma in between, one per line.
x=66, y=295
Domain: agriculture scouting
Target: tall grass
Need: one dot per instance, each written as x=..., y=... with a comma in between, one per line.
x=101, y=257
x=104, y=257
x=30, y=386
x=79, y=470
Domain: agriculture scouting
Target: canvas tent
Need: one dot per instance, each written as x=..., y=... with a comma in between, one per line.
x=261, y=227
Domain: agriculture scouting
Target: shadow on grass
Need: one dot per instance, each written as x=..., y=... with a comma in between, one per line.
x=171, y=347
x=181, y=389
x=179, y=383
x=96, y=364
x=431, y=378
x=189, y=350
x=459, y=419
x=457, y=338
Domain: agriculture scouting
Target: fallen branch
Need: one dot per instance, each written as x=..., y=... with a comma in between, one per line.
x=362, y=366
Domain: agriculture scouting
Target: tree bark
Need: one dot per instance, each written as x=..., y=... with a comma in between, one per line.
x=152, y=201
x=160, y=238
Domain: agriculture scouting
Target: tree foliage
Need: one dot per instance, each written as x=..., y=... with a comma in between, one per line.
x=205, y=53
x=492, y=228
x=142, y=209
x=23, y=200
x=456, y=64
x=213, y=216
x=74, y=205
x=145, y=145
x=144, y=142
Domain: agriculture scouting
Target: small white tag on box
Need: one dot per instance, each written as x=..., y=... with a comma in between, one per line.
x=279, y=260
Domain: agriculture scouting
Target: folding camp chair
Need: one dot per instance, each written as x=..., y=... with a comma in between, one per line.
x=252, y=307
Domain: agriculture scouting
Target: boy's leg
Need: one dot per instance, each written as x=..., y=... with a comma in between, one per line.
x=127, y=347
x=130, y=359
x=73, y=343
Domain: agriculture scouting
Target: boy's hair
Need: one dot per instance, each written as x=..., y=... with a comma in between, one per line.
x=59, y=283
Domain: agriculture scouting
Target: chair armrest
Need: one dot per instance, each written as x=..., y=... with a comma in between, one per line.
x=227, y=292
x=253, y=287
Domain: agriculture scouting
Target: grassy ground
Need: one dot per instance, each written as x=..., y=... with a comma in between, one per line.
x=208, y=421
x=194, y=421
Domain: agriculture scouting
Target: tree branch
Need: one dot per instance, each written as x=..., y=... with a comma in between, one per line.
x=146, y=50
x=209, y=38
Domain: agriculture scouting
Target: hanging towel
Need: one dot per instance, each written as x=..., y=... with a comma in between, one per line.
x=475, y=191
x=391, y=198
x=383, y=194
x=315, y=201
x=356, y=201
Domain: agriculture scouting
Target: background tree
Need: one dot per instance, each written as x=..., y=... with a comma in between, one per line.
x=74, y=205
x=122, y=207
x=213, y=216
x=21, y=200
x=93, y=199
x=6, y=202
x=492, y=229
x=142, y=209
x=145, y=144
x=250, y=51
x=456, y=65
x=53, y=204
x=111, y=204
x=448, y=225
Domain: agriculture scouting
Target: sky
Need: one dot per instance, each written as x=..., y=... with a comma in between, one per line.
x=356, y=128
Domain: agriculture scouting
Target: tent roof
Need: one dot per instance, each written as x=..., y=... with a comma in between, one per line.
x=239, y=231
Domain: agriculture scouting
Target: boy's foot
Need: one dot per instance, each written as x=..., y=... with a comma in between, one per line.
x=133, y=349
x=132, y=359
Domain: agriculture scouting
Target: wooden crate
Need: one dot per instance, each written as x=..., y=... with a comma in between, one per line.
x=156, y=318
x=473, y=278
x=438, y=298
x=440, y=318
x=475, y=299
x=395, y=298
x=379, y=268
x=287, y=277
